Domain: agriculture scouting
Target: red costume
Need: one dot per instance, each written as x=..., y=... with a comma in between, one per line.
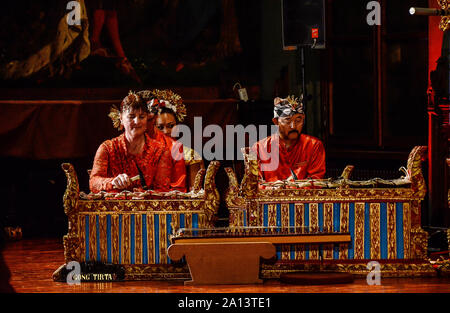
x=306, y=158
x=112, y=158
x=178, y=175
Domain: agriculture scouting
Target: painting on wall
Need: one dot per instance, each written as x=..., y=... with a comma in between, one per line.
x=95, y=43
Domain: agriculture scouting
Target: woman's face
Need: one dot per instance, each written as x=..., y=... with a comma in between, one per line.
x=134, y=122
x=165, y=122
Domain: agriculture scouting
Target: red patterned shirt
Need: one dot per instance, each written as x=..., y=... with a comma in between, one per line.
x=306, y=158
x=178, y=176
x=112, y=158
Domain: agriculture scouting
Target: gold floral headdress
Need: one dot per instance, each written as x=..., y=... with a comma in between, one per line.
x=167, y=98
x=114, y=115
x=126, y=103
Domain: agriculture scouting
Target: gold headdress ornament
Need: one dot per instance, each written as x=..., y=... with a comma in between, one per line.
x=167, y=98
x=294, y=102
x=126, y=103
x=114, y=115
x=288, y=106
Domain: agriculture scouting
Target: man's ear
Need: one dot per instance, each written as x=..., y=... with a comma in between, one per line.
x=275, y=120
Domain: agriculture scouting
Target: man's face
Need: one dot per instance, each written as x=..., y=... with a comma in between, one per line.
x=290, y=127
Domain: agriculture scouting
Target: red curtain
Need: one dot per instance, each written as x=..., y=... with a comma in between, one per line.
x=435, y=37
x=59, y=129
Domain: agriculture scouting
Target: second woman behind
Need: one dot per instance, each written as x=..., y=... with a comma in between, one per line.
x=170, y=111
x=169, y=116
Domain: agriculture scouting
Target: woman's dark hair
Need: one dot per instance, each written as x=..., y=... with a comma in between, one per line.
x=169, y=111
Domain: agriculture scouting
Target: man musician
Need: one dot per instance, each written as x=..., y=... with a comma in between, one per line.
x=299, y=156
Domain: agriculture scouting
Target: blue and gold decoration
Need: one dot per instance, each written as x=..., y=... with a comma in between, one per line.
x=383, y=221
x=134, y=233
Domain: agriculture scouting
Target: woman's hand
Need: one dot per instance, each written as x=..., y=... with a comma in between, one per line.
x=122, y=181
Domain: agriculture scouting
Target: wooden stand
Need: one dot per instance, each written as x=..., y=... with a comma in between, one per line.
x=222, y=263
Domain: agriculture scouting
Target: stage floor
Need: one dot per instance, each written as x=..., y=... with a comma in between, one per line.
x=32, y=263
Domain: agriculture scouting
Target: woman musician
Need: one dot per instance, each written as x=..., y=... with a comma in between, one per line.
x=132, y=154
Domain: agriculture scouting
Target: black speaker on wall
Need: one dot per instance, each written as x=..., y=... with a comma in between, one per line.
x=303, y=23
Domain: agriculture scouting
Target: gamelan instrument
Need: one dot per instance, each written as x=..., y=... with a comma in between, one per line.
x=274, y=235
